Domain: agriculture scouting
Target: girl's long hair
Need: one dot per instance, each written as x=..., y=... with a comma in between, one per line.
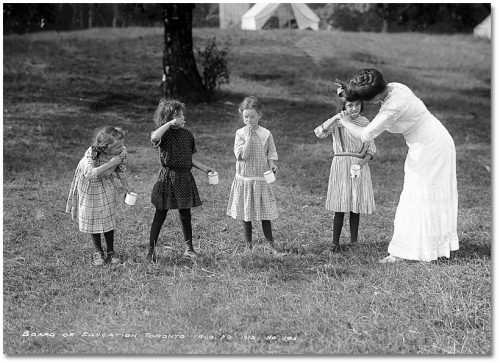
x=167, y=109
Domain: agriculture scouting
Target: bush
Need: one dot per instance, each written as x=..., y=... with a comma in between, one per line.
x=215, y=66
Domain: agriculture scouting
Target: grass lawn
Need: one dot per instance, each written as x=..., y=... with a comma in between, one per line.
x=59, y=87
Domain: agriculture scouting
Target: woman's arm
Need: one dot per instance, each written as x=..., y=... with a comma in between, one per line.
x=368, y=133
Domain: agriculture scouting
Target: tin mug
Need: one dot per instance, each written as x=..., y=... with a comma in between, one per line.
x=213, y=178
x=131, y=198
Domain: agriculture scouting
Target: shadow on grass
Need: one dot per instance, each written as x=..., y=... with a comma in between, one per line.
x=471, y=249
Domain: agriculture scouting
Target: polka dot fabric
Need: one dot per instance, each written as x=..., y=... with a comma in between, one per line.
x=176, y=187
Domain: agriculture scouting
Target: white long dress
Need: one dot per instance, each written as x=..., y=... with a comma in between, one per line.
x=425, y=225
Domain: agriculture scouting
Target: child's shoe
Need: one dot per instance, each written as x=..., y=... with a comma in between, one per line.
x=111, y=257
x=98, y=259
x=151, y=255
x=190, y=252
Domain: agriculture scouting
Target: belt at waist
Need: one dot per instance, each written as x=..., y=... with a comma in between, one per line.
x=250, y=177
x=356, y=155
x=177, y=168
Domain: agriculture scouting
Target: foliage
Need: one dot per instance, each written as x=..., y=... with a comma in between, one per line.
x=215, y=66
x=394, y=17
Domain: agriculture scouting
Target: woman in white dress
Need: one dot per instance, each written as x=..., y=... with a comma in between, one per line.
x=425, y=225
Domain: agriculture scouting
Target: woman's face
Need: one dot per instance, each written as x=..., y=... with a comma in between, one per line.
x=251, y=118
x=354, y=108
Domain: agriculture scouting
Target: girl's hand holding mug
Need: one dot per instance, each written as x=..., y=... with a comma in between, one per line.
x=116, y=160
x=355, y=171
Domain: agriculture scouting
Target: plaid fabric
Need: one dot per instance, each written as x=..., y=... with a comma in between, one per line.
x=252, y=200
x=92, y=201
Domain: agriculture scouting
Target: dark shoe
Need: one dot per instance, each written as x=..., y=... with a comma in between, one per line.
x=151, y=256
x=336, y=249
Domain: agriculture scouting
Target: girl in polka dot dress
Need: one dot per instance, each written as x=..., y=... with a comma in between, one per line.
x=176, y=187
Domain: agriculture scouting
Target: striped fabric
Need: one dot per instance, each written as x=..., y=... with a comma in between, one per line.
x=344, y=193
x=251, y=198
x=92, y=200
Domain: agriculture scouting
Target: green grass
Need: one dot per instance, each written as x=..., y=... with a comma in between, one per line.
x=59, y=87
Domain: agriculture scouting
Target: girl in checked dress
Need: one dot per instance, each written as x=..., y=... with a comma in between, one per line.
x=348, y=192
x=252, y=198
x=92, y=196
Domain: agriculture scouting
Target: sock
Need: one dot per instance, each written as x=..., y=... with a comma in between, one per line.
x=109, y=237
x=159, y=218
x=187, y=230
x=247, y=228
x=354, y=225
x=338, y=222
x=268, y=232
x=96, y=238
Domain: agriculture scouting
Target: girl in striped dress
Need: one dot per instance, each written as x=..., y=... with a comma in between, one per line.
x=251, y=198
x=92, y=196
x=348, y=190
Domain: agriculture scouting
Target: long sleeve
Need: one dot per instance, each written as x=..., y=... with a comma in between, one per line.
x=379, y=124
x=239, y=142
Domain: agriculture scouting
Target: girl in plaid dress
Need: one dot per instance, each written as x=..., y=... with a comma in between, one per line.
x=251, y=198
x=92, y=196
x=348, y=191
x=176, y=187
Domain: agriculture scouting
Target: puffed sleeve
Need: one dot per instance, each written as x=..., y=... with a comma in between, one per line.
x=89, y=165
x=379, y=124
x=239, y=142
x=271, y=149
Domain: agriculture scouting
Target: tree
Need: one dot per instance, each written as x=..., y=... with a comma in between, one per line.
x=181, y=78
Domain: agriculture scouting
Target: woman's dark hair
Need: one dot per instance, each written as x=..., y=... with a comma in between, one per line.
x=167, y=109
x=364, y=85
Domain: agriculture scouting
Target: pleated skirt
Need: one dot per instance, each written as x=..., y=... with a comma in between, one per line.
x=349, y=195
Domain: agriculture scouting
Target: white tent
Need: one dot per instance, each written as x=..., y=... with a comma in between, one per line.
x=230, y=14
x=483, y=30
x=256, y=17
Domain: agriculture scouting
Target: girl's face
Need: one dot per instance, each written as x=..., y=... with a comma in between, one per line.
x=251, y=118
x=354, y=108
x=115, y=148
x=180, y=121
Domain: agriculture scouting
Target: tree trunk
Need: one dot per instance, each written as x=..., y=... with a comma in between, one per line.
x=181, y=78
x=91, y=15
